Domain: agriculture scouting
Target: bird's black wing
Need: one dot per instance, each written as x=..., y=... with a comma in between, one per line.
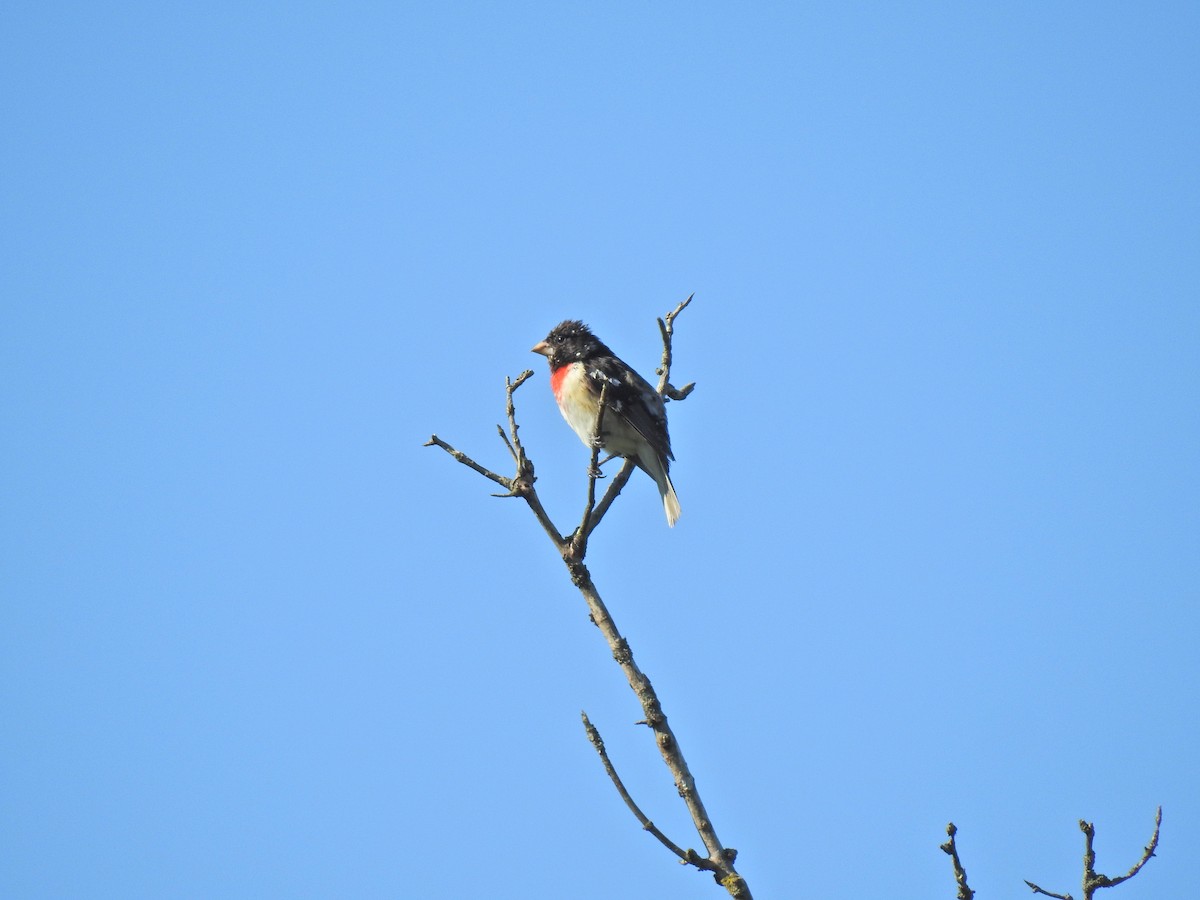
x=633, y=399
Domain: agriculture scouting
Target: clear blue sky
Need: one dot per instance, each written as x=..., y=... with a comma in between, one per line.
x=940, y=549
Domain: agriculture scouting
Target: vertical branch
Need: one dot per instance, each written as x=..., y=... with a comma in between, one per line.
x=579, y=541
x=666, y=327
x=960, y=874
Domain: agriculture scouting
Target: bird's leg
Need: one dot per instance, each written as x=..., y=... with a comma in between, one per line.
x=594, y=470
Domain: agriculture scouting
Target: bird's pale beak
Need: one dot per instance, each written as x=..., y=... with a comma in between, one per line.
x=541, y=347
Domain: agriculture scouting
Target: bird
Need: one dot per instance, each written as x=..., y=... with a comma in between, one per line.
x=635, y=417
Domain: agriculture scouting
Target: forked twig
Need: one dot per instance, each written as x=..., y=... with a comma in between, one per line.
x=521, y=484
x=1103, y=881
x=1092, y=880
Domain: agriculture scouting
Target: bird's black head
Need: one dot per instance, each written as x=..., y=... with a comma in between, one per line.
x=569, y=342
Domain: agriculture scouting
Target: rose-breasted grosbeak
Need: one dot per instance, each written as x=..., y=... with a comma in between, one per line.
x=635, y=418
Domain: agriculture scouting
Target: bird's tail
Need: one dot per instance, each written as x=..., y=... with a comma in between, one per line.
x=656, y=468
x=670, y=500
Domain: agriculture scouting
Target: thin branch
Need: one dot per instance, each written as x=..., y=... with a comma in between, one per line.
x=579, y=541
x=598, y=742
x=960, y=874
x=1091, y=879
x=521, y=484
x=435, y=441
x=614, y=490
x=507, y=443
x=510, y=388
x=1038, y=890
x=666, y=327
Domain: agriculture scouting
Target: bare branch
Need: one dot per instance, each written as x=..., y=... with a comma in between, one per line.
x=544, y=520
x=598, y=742
x=507, y=443
x=666, y=327
x=721, y=858
x=1091, y=879
x=679, y=393
x=960, y=874
x=521, y=484
x=435, y=441
x=1038, y=890
x=579, y=541
x=614, y=490
x=510, y=388
x=1146, y=854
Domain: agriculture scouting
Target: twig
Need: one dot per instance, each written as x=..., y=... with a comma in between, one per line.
x=435, y=441
x=510, y=388
x=666, y=327
x=598, y=742
x=614, y=490
x=1038, y=890
x=521, y=484
x=960, y=874
x=579, y=540
x=1092, y=880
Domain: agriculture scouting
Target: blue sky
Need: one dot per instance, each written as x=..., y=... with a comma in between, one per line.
x=940, y=548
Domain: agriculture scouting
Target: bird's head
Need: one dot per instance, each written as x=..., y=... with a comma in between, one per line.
x=569, y=342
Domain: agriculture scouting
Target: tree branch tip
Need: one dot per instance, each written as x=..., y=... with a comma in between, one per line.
x=681, y=307
x=1038, y=890
x=512, y=384
x=675, y=393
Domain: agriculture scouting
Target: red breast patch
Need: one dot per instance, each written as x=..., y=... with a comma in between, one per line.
x=557, y=377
